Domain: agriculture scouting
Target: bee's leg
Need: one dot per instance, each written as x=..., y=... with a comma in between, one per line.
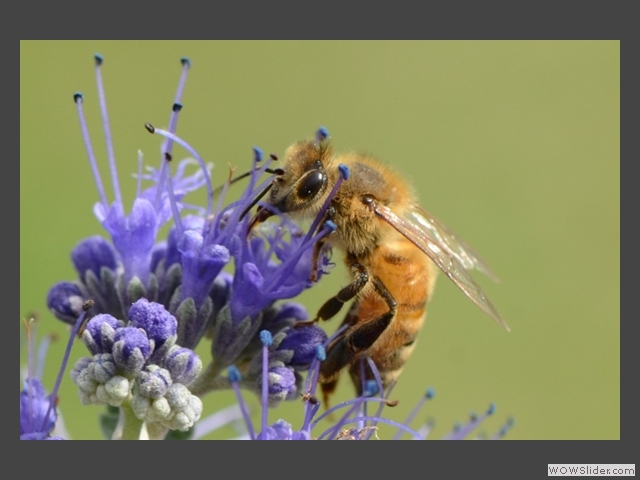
x=315, y=259
x=327, y=390
x=365, y=334
x=332, y=306
x=358, y=338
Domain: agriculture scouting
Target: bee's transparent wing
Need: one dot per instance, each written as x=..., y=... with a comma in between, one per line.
x=448, y=252
x=449, y=240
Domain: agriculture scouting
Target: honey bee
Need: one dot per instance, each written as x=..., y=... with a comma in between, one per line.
x=393, y=249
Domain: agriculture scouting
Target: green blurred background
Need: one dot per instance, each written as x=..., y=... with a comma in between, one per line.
x=514, y=145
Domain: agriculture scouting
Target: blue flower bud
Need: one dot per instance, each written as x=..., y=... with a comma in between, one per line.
x=184, y=409
x=183, y=364
x=102, y=368
x=115, y=391
x=282, y=384
x=99, y=381
x=160, y=326
x=153, y=382
x=92, y=254
x=131, y=350
x=303, y=342
x=65, y=301
x=100, y=332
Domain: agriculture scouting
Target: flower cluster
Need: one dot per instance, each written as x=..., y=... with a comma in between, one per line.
x=154, y=300
x=37, y=413
x=140, y=363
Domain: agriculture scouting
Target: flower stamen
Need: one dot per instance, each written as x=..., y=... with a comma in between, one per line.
x=234, y=378
x=195, y=154
x=79, y=100
x=430, y=393
x=107, y=130
x=63, y=366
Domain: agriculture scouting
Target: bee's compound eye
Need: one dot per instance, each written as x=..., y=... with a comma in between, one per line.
x=311, y=184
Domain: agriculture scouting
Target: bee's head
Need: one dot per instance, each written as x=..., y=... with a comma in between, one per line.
x=303, y=179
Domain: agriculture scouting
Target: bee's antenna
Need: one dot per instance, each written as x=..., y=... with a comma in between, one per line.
x=276, y=171
x=253, y=203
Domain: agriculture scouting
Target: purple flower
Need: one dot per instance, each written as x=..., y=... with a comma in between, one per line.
x=117, y=273
x=93, y=254
x=36, y=418
x=201, y=264
x=302, y=342
x=282, y=384
x=183, y=364
x=260, y=280
x=131, y=349
x=183, y=275
x=133, y=236
x=65, y=300
x=99, y=333
x=159, y=325
x=38, y=413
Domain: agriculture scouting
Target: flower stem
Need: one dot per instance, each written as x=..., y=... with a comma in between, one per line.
x=131, y=425
x=209, y=380
x=156, y=431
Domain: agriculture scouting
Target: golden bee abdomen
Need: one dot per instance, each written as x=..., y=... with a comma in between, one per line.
x=409, y=275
